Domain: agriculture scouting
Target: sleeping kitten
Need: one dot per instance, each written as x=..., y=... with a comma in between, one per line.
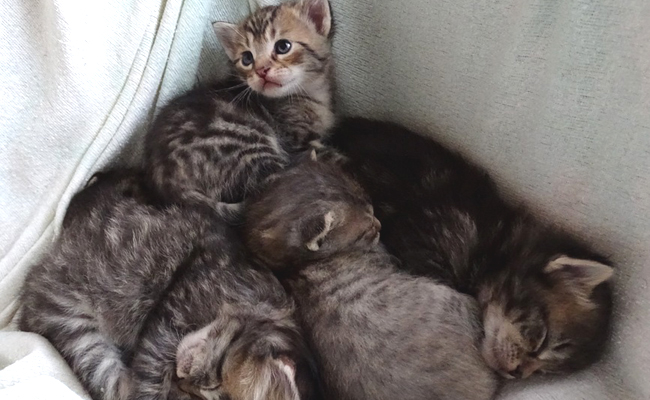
x=379, y=333
x=544, y=296
x=171, y=290
x=216, y=145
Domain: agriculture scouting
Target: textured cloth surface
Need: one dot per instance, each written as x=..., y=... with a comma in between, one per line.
x=79, y=82
x=553, y=97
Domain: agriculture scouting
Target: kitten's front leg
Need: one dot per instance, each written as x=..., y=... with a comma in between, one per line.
x=303, y=126
x=154, y=366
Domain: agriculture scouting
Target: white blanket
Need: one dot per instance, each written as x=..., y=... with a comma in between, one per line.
x=79, y=84
x=552, y=96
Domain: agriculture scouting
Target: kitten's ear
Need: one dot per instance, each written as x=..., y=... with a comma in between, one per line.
x=316, y=229
x=319, y=13
x=287, y=367
x=191, y=352
x=228, y=35
x=282, y=382
x=581, y=275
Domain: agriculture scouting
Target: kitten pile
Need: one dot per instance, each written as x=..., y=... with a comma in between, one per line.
x=244, y=260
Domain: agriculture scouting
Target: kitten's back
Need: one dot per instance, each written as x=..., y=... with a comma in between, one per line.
x=204, y=150
x=444, y=218
x=385, y=335
x=379, y=334
x=91, y=294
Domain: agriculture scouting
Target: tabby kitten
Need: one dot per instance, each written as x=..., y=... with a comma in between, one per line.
x=379, y=333
x=169, y=291
x=216, y=145
x=545, y=297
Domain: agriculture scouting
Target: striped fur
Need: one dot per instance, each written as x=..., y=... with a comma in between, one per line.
x=545, y=296
x=379, y=334
x=127, y=281
x=81, y=297
x=217, y=145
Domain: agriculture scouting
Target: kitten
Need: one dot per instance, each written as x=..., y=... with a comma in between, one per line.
x=169, y=291
x=313, y=195
x=545, y=297
x=378, y=333
x=216, y=145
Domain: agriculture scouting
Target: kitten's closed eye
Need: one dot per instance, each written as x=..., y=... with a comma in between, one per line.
x=541, y=344
x=562, y=346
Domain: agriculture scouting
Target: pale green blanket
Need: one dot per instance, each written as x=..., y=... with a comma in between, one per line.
x=553, y=97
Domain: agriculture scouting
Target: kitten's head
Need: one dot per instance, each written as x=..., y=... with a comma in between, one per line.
x=550, y=314
x=246, y=357
x=281, y=50
x=311, y=211
x=105, y=189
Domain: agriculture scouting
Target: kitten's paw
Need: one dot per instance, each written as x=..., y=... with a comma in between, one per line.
x=323, y=153
x=316, y=144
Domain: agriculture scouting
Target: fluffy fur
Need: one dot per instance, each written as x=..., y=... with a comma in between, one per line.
x=333, y=215
x=216, y=145
x=135, y=297
x=545, y=297
x=379, y=333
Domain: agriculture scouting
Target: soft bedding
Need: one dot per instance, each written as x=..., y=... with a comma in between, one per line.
x=552, y=97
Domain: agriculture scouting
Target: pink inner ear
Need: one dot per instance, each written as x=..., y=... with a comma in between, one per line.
x=317, y=12
x=287, y=366
x=317, y=16
x=184, y=365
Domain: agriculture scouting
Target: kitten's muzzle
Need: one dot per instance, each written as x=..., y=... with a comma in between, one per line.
x=262, y=71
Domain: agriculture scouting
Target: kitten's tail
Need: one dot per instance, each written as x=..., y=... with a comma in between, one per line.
x=93, y=357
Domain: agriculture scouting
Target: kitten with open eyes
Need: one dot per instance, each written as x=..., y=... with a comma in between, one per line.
x=545, y=297
x=216, y=145
x=379, y=334
x=152, y=303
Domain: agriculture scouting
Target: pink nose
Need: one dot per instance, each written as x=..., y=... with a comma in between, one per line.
x=262, y=71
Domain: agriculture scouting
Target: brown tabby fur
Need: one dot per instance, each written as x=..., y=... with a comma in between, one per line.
x=218, y=144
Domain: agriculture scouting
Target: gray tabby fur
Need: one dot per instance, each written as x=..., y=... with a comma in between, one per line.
x=379, y=333
x=127, y=284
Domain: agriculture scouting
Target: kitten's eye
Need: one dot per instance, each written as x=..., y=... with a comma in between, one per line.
x=282, y=46
x=541, y=344
x=246, y=58
x=562, y=346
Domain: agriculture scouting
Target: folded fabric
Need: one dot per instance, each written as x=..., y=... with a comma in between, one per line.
x=79, y=83
x=553, y=98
